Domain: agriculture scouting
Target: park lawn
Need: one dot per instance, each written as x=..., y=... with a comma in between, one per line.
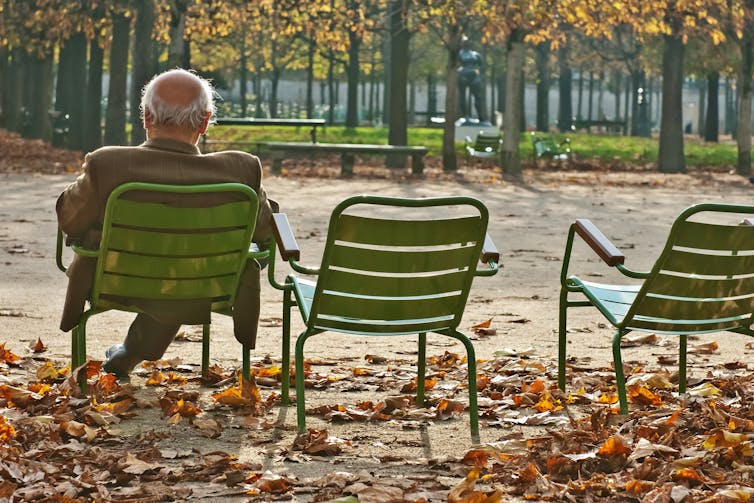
x=592, y=147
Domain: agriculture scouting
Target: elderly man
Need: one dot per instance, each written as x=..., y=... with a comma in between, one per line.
x=176, y=108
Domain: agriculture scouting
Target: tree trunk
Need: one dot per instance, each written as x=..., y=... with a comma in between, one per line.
x=13, y=100
x=565, y=79
x=712, y=123
x=4, y=70
x=352, y=74
x=142, y=64
x=115, y=118
x=40, y=98
x=743, y=126
x=618, y=84
x=702, y=86
x=399, y=61
x=76, y=90
x=514, y=63
x=543, y=87
x=243, y=76
x=274, y=84
x=177, y=47
x=310, y=79
x=580, y=97
x=331, y=89
x=590, y=96
x=93, y=105
x=449, y=161
x=670, y=157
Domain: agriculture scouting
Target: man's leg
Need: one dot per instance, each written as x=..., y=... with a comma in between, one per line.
x=246, y=308
x=147, y=339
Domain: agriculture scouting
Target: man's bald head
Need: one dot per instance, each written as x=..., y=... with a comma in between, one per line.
x=178, y=98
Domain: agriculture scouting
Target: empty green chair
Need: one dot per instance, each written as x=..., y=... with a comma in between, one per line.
x=170, y=243
x=484, y=146
x=702, y=282
x=545, y=147
x=407, y=273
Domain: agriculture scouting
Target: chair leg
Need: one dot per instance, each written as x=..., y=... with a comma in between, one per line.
x=300, y=405
x=421, y=370
x=682, y=365
x=471, y=365
x=246, y=365
x=620, y=380
x=205, y=350
x=285, y=376
x=562, y=338
x=78, y=346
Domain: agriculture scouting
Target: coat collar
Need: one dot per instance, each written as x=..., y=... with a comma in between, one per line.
x=174, y=145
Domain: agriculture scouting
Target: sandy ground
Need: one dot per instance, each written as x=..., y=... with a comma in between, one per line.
x=529, y=222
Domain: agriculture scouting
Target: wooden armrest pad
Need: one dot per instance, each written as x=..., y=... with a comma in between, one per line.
x=599, y=243
x=489, y=251
x=284, y=237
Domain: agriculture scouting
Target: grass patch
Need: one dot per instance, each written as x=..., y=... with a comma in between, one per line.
x=592, y=147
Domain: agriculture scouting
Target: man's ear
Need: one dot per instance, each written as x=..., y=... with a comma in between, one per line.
x=147, y=119
x=205, y=123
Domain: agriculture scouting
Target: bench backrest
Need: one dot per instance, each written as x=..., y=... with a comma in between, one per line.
x=704, y=278
x=165, y=242
x=409, y=272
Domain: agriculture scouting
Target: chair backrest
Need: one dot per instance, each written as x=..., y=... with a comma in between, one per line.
x=704, y=278
x=169, y=242
x=408, y=273
x=487, y=142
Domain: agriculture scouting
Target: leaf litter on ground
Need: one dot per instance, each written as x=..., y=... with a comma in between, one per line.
x=55, y=439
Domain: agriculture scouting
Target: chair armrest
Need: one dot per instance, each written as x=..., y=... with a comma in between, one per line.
x=489, y=251
x=284, y=237
x=59, y=251
x=598, y=242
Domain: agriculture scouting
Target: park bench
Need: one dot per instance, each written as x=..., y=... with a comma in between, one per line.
x=280, y=150
x=545, y=147
x=313, y=124
x=485, y=146
x=603, y=125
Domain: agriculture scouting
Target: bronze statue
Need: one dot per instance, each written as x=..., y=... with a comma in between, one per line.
x=470, y=78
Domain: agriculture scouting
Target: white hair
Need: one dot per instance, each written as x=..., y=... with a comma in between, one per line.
x=163, y=113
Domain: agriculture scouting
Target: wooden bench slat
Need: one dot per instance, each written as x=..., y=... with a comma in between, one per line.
x=278, y=150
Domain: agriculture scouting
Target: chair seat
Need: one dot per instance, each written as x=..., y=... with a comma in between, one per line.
x=304, y=291
x=613, y=301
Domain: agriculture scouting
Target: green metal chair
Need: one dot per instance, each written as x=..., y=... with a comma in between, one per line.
x=401, y=275
x=545, y=147
x=169, y=242
x=484, y=146
x=703, y=282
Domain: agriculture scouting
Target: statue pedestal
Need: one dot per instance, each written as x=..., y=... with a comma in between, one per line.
x=472, y=127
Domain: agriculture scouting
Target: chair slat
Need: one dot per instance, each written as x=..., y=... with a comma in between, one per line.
x=160, y=216
x=349, y=282
x=656, y=307
x=665, y=284
x=394, y=261
x=357, y=229
x=710, y=265
x=171, y=267
x=623, y=294
x=707, y=236
x=698, y=327
x=176, y=244
x=398, y=308
x=147, y=288
x=359, y=327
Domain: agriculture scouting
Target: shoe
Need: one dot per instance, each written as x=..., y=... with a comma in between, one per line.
x=118, y=362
